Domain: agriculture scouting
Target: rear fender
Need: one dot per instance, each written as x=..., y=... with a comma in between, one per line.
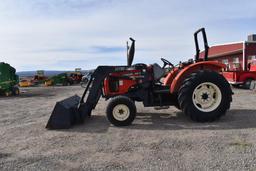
x=184, y=73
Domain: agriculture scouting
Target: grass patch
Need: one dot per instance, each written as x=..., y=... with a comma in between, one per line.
x=242, y=144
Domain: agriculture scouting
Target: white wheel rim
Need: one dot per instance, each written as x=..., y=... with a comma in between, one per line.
x=121, y=112
x=207, y=97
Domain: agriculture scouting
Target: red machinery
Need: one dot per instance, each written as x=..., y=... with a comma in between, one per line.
x=195, y=87
x=76, y=77
x=239, y=77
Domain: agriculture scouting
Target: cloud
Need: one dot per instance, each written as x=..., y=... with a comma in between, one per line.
x=93, y=49
x=51, y=34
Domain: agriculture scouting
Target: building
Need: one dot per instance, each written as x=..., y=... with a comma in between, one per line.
x=237, y=56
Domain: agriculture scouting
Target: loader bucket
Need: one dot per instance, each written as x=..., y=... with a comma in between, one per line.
x=65, y=114
x=75, y=110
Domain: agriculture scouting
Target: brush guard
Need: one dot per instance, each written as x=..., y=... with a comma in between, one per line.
x=74, y=110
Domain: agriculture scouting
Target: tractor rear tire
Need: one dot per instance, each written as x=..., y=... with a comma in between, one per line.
x=205, y=96
x=121, y=111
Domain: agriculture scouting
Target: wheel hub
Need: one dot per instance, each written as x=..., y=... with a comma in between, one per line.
x=121, y=112
x=207, y=97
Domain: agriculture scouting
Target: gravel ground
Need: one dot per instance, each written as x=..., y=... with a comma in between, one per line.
x=157, y=140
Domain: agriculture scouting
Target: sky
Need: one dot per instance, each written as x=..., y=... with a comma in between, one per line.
x=69, y=34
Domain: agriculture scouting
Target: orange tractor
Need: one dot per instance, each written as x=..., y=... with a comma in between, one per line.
x=195, y=87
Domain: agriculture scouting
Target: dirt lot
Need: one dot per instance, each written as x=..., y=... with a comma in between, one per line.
x=158, y=140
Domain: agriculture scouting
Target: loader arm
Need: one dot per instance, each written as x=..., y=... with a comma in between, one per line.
x=96, y=80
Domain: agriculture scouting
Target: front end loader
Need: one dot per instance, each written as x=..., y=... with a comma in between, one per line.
x=194, y=86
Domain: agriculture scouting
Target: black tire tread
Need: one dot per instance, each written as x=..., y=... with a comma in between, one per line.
x=121, y=100
x=185, y=100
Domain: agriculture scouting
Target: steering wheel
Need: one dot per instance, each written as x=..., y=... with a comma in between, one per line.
x=166, y=62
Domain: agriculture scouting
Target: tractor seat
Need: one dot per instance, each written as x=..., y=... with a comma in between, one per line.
x=158, y=72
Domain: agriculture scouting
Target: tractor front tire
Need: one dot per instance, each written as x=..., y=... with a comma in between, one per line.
x=7, y=93
x=121, y=111
x=205, y=96
x=15, y=91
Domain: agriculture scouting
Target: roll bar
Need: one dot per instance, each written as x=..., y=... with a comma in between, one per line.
x=206, y=47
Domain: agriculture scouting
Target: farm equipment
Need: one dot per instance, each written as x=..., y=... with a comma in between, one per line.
x=76, y=77
x=25, y=83
x=242, y=78
x=60, y=79
x=8, y=80
x=195, y=87
x=39, y=77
